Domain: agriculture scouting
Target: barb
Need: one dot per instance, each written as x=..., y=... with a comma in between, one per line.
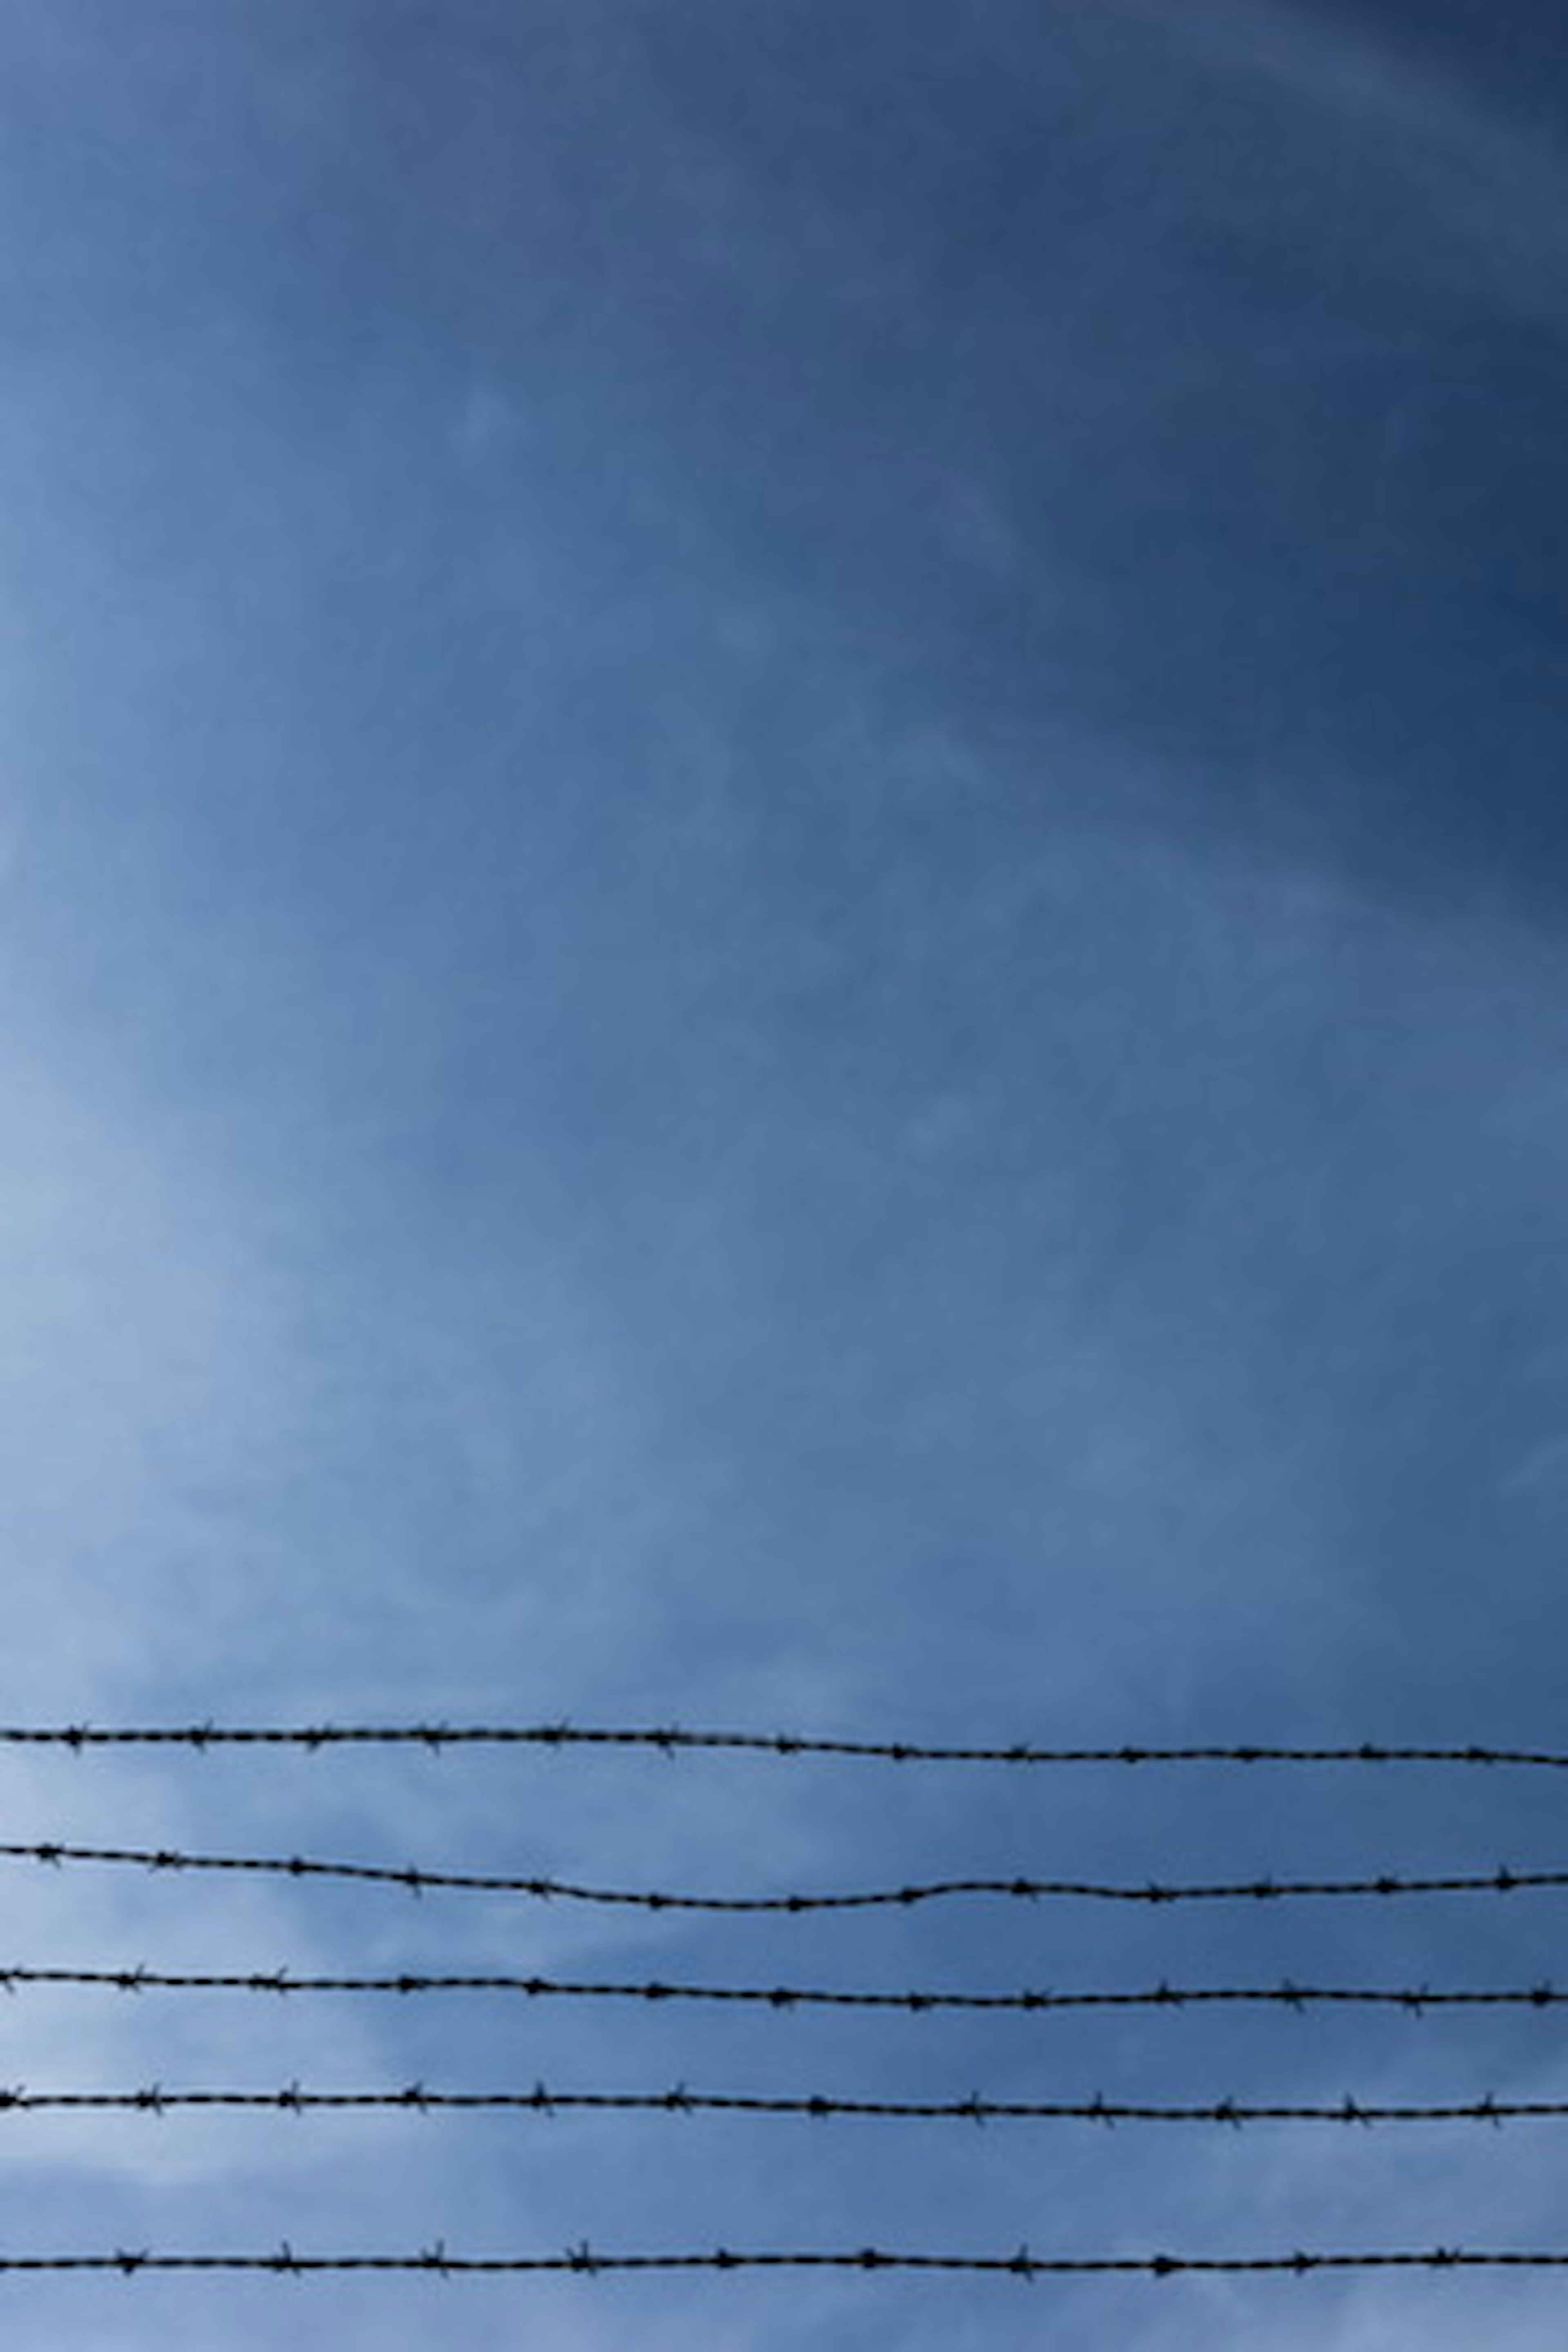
x=153, y=2099
x=418, y=1880
x=671, y=1739
x=1414, y=1999
x=583, y=2261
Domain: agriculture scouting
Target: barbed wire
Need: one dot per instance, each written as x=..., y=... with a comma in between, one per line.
x=1414, y=1999
x=584, y=2260
x=292, y=2098
x=671, y=1739
x=418, y=1879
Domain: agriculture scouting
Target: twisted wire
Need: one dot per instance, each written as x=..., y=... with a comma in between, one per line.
x=418, y=1880
x=1414, y=1999
x=671, y=1739
x=584, y=2260
x=292, y=2098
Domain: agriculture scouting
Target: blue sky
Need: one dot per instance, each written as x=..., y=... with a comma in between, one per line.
x=780, y=943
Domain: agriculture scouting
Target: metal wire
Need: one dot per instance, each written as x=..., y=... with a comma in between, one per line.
x=153, y=2099
x=1415, y=1999
x=671, y=1739
x=418, y=1880
x=583, y=2261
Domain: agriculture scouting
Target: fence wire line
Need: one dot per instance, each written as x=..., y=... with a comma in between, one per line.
x=584, y=2260
x=418, y=1879
x=671, y=1739
x=1414, y=1999
x=153, y=2099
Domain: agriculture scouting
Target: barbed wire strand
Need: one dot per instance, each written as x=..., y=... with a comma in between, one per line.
x=418, y=1880
x=671, y=1739
x=1414, y=1999
x=584, y=2260
x=292, y=2098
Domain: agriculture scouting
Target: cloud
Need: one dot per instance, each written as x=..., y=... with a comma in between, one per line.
x=1482, y=176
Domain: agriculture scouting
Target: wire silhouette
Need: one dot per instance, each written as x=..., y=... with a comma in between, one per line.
x=292, y=2098
x=418, y=1880
x=1414, y=1999
x=583, y=2261
x=671, y=1739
